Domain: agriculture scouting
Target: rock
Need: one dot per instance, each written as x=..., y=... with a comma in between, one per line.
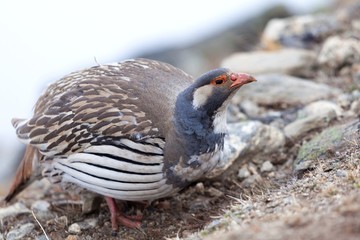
x=88, y=223
x=251, y=181
x=72, y=237
x=78, y=227
x=337, y=52
x=274, y=90
x=234, y=114
x=314, y=116
x=243, y=172
x=250, y=108
x=249, y=138
x=40, y=205
x=267, y=167
x=41, y=210
x=297, y=62
x=199, y=187
x=213, y=192
x=13, y=210
x=74, y=228
x=341, y=173
x=335, y=138
x=298, y=31
x=41, y=237
x=20, y=232
x=355, y=107
x=324, y=108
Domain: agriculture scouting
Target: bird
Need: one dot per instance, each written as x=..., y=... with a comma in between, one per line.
x=136, y=130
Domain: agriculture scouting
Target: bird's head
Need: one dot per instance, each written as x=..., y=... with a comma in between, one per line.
x=207, y=98
x=214, y=88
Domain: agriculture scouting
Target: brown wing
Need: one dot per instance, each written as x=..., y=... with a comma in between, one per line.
x=104, y=102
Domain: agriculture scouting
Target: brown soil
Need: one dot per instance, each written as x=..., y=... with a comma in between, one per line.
x=320, y=204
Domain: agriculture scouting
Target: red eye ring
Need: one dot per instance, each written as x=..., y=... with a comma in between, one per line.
x=233, y=76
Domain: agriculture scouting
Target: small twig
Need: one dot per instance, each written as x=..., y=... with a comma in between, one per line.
x=46, y=236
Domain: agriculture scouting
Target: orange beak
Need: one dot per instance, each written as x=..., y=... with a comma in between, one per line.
x=241, y=79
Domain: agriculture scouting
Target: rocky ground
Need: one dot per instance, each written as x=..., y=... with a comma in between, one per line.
x=292, y=168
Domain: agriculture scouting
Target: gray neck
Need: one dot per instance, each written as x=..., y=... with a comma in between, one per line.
x=196, y=126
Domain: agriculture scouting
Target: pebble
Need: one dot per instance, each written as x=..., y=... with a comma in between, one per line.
x=41, y=237
x=74, y=228
x=341, y=173
x=83, y=225
x=40, y=205
x=267, y=166
x=213, y=192
x=88, y=223
x=250, y=181
x=243, y=172
x=199, y=187
x=72, y=237
x=20, y=232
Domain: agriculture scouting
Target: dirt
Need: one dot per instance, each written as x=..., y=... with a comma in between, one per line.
x=318, y=204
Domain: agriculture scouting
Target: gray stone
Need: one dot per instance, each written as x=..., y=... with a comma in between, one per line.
x=250, y=108
x=88, y=223
x=40, y=205
x=314, y=116
x=20, y=231
x=199, y=187
x=78, y=227
x=355, y=107
x=287, y=61
x=243, y=172
x=74, y=228
x=338, y=52
x=234, y=114
x=213, y=192
x=298, y=31
x=284, y=91
x=251, y=180
x=245, y=138
x=267, y=167
x=13, y=210
x=341, y=173
x=336, y=138
x=41, y=237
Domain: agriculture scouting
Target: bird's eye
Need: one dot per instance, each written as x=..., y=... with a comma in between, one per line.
x=219, y=80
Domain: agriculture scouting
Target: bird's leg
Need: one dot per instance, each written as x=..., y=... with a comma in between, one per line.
x=118, y=217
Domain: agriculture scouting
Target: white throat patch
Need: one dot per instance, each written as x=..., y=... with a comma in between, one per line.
x=219, y=121
x=201, y=95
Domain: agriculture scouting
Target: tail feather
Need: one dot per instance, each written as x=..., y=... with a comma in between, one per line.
x=24, y=174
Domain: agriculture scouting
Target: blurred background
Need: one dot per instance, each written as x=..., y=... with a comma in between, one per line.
x=41, y=41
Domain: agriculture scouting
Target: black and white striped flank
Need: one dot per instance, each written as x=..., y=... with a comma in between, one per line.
x=129, y=171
